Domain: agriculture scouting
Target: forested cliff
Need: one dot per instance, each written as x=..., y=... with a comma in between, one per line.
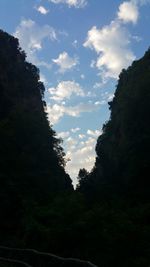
x=31, y=153
x=123, y=157
x=31, y=157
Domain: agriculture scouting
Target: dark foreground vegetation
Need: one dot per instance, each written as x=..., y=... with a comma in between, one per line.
x=107, y=219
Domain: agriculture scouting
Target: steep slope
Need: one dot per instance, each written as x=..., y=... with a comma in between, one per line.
x=31, y=158
x=123, y=156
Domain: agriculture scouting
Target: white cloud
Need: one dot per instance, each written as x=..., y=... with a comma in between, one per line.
x=71, y=142
x=43, y=79
x=106, y=97
x=93, y=133
x=81, y=155
x=75, y=43
x=97, y=102
x=55, y=112
x=98, y=85
x=65, y=62
x=74, y=130
x=63, y=134
x=82, y=76
x=71, y=3
x=111, y=44
x=128, y=12
x=80, y=150
x=64, y=90
x=42, y=10
x=93, y=63
x=82, y=136
x=91, y=94
x=137, y=38
x=31, y=37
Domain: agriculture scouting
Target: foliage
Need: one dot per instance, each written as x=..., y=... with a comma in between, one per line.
x=109, y=232
x=123, y=156
x=31, y=157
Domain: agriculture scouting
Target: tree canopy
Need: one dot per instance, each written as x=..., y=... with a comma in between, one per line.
x=123, y=150
x=31, y=157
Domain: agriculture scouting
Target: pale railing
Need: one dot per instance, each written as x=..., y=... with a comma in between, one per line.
x=32, y=258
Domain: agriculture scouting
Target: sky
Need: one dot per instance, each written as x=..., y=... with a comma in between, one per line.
x=80, y=47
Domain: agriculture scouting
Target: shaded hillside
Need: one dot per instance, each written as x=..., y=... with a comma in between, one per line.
x=122, y=150
x=31, y=157
x=117, y=190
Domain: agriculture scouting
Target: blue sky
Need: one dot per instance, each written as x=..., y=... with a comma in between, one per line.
x=80, y=47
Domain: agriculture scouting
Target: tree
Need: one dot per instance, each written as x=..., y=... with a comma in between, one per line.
x=82, y=174
x=122, y=150
x=31, y=157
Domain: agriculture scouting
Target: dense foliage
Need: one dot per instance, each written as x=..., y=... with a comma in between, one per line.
x=107, y=219
x=31, y=158
x=123, y=157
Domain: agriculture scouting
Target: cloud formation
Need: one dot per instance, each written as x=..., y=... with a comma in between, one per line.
x=71, y=3
x=80, y=150
x=111, y=44
x=64, y=90
x=74, y=130
x=31, y=37
x=55, y=112
x=93, y=133
x=68, y=133
x=128, y=12
x=63, y=134
x=81, y=154
x=42, y=10
x=65, y=62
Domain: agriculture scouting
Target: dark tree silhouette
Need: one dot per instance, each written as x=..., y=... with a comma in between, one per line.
x=31, y=157
x=123, y=156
